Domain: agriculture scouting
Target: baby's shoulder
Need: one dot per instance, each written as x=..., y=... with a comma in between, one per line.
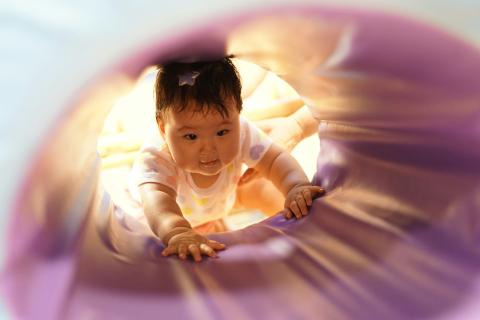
x=156, y=151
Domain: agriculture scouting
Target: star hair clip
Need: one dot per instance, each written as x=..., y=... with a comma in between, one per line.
x=188, y=78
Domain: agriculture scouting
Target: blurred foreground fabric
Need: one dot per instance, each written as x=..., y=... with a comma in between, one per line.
x=397, y=236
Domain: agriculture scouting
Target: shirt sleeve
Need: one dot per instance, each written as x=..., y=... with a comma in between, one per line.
x=254, y=143
x=154, y=165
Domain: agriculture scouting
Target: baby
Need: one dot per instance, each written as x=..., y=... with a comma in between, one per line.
x=188, y=179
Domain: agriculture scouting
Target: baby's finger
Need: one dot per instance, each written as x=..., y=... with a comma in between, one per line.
x=287, y=213
x=206, y=250
x=302, y=205
x=169, y=251
x=295, y=209
x=307, y=195
x=316, y=190
x=182, y=251
x=195, y=252
x=215, y=245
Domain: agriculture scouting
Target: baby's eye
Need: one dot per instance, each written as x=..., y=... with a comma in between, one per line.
x=190, y=136
x=222, y=132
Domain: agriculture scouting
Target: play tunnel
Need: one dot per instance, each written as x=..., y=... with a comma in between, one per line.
x=398, y=102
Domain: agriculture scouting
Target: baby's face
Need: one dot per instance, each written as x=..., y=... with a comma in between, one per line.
x=202, y=143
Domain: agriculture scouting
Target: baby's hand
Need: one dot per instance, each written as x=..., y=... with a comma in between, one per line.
x=192, y=243
x=298, y=200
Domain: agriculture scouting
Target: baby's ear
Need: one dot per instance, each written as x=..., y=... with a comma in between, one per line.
x=161, y=126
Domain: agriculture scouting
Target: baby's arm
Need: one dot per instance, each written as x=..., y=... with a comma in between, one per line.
x=167, y=222
x=286, y=174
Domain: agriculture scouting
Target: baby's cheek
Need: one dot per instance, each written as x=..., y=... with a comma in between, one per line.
x=230, y=151
x=184, y=158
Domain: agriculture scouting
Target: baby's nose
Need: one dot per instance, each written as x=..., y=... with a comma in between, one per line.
x=209, y=146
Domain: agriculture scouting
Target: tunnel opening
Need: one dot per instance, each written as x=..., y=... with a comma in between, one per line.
x=131, y=121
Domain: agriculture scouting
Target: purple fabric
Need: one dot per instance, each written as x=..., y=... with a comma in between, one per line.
x=396, y=237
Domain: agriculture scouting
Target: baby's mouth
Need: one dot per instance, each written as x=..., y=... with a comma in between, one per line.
x=209, y=164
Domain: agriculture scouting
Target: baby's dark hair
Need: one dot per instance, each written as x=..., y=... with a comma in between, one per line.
x=208, y=83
